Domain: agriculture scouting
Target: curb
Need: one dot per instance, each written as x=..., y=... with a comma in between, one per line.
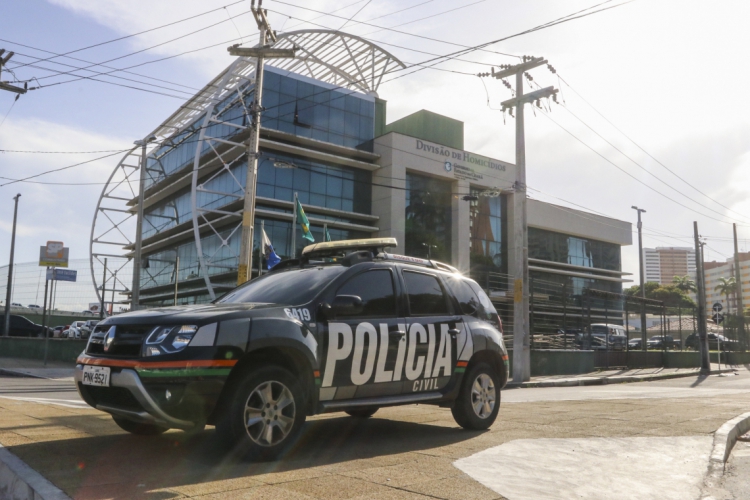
x=572, y=382
x=20, y=482
x=724, y=440
x=20, y=374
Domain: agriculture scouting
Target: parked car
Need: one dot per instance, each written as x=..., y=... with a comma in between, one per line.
x=76, y=330
x=87, y=328
x=659, y=342
x=57, y=331
x=605, y=335
x=21, y=326
x=714, y=342
x=34, y=306
x=635, y=344
x=16, y=304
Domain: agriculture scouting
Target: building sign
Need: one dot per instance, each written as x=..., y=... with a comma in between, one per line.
x=54, y=254
x=61, y=275
x=463, y=164
x=95, y=307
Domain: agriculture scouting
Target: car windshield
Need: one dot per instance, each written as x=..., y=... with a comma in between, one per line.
x=293, y=287
x=599, y=329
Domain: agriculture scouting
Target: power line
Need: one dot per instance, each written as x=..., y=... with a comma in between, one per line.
x=354, y=15
x=90, y=62
x=428, y=17
x=141, y=32
x=62, y=152
x=25, y=179
x=629, y=174
x=646, y=152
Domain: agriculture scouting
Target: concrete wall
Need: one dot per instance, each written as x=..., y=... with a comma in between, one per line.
x=577, y=223
x=558, y=362
x=58, y=350
x=682, y=359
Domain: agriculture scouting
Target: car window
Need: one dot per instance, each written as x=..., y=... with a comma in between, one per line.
x=467, y=299
x=293, y=287
x=488, y=312
x=426, y=296
x=375, y=288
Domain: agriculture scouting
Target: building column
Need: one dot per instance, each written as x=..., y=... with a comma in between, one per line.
x=461, y=230
x=388, y=203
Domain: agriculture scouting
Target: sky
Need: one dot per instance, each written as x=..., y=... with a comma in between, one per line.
x=649, y=115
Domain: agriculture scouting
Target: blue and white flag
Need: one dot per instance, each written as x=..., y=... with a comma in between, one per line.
x=268, y=253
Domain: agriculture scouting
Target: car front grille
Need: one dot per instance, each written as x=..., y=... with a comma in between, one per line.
x=126, y=343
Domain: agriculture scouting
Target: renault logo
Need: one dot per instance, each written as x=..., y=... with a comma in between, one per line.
x=109, y=338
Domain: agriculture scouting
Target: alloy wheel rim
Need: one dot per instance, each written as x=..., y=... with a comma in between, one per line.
x=269, y=413
x=483, y=396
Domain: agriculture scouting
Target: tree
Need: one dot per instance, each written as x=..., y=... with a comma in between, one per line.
x=684, y=283
x=726, y=287
x=671, y=295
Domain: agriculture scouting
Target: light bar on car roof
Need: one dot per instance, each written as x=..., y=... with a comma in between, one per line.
x=362, y=244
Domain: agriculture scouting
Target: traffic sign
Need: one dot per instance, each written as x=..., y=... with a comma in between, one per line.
x=718, y=318
x=61, y=274
x=718, y=307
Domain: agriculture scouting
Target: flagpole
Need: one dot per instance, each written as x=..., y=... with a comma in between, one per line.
x=261, y=248
x=294, y=227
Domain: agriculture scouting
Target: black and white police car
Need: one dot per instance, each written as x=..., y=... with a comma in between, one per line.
x=347, y=327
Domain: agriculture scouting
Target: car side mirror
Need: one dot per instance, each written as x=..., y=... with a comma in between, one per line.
x=346, y=305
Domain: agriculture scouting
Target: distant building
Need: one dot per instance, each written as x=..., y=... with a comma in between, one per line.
x=662, y=264
x=715, y=270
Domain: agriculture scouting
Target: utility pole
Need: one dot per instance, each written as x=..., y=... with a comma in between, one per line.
x=521, y=348
x=136, y=296
x=7, y=86
x=643, y=279
x=264, y=51
x=702, y=333
x=6, y=322
x=738, y=284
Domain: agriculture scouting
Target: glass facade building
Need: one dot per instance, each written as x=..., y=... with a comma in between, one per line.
x=333, y=194
x=428, y=217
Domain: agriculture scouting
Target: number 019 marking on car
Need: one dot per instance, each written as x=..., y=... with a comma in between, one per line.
x=302, y=314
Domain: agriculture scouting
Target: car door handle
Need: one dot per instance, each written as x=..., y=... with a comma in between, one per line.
x=453, y=332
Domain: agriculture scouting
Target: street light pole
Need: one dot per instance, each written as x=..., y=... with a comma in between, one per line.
x=642, y=276
x=6, y=323
x=135, y=297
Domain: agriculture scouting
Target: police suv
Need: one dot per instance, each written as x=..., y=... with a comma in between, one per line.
x=347, y=327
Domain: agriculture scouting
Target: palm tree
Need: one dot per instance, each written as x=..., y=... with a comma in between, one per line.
x=684, y=283
x=726, y=287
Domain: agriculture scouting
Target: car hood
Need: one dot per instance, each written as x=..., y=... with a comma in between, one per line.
x=193, y=314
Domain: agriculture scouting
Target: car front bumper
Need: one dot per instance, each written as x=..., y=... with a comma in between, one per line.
x=146, y=411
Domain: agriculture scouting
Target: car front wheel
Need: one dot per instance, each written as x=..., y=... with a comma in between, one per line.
x=265, y=414
x=478, y=401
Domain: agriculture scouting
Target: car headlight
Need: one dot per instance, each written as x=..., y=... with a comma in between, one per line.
x=168, y=339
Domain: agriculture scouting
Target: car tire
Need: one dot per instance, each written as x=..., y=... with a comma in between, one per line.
x=270, y=400
x=363, y=413
x=138, y=428
x=478, y=401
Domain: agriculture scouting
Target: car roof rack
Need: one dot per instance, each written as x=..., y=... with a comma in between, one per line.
x=419, y=262
x=343, y=247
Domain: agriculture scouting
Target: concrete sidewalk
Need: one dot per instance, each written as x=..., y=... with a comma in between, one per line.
x=20, y=367
x=603, y=377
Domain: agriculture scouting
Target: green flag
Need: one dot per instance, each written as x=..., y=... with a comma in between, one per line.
x=302, y=220
x=328, y=235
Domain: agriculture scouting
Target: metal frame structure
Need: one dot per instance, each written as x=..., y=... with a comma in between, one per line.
x=340, y=59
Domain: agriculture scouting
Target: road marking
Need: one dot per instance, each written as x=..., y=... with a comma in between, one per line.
x=646, y=468
x=68, y=403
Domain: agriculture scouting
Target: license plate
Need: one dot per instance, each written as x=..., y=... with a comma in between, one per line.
x=96, y=375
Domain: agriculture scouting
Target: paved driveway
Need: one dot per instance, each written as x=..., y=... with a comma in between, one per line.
x=405, y=452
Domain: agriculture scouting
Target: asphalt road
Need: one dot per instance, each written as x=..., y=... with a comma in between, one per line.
x=402, y=453
x=63, y=392
x=44, y=391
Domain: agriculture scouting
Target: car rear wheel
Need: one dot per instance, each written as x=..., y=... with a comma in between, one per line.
x=265, y=413
x=478, y=400
x=138, y=428
x=363, y=413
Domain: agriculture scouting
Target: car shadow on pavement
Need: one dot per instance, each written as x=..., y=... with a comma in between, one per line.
x=121, y=465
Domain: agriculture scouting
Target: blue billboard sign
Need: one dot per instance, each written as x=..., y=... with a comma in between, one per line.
x=61, y=274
